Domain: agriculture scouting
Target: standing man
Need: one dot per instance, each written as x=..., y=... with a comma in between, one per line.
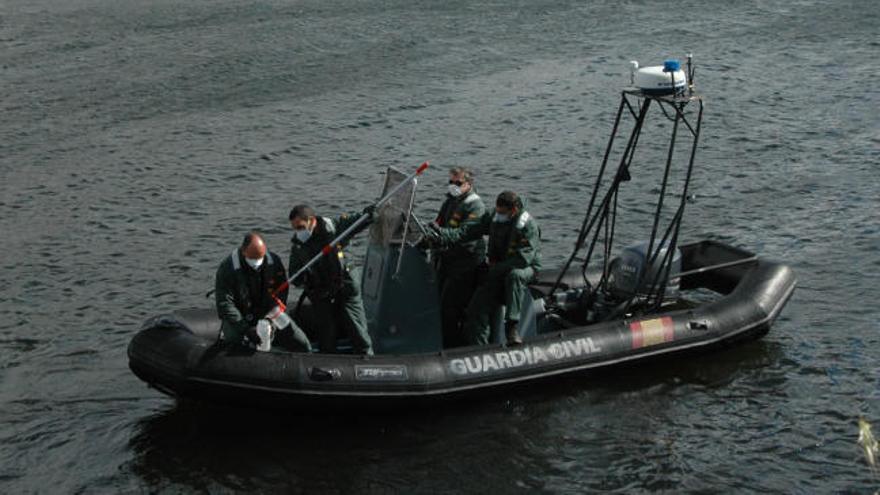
x=514, y=260
x=245, y=292
x=333, y=292
x=457, y=265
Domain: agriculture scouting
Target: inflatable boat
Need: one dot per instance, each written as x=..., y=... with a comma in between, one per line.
x=176, y=353
x=622, y=305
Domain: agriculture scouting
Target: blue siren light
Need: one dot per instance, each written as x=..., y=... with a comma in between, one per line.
x=671, y=65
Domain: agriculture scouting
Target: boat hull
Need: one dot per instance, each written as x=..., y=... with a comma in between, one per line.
x=178, y=354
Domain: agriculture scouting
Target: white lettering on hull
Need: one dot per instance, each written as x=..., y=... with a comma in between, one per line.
x=514, y=358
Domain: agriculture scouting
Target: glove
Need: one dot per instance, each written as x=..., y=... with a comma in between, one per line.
x=369, y=211
x=251, y=335
x=282, y=321
x=428, y=241
x=278, y=318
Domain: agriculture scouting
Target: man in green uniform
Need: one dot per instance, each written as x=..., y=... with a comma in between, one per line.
x=246, y=291
x=514, y=259
x=457, y=265
x=329, y=285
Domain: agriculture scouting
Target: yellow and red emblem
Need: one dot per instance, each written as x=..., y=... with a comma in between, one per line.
x=646, y=333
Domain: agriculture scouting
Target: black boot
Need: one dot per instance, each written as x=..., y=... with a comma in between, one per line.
x=512, y=332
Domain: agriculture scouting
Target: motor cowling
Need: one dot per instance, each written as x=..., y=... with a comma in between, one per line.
x=631, y=274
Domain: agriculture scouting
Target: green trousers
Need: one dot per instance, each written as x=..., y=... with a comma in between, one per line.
x=345, y=312
x=291, y=338
x=456, y=283
x=502, y=292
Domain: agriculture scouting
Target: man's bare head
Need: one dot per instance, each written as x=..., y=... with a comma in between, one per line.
x=253, y=246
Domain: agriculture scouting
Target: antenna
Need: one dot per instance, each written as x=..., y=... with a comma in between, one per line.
x=690, y=62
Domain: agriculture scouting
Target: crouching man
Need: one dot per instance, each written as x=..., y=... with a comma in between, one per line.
x=245, y=292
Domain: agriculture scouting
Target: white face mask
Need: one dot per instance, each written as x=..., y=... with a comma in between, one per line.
x=254, y=263
x=454, y=190
x=302, y=235
x=501, y=217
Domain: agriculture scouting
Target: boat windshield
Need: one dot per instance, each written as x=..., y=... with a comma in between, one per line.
x=389, y=223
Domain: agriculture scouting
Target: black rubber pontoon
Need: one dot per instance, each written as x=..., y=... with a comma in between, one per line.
x=176, y=354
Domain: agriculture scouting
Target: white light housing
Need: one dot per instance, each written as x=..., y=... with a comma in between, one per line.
x=660, y=79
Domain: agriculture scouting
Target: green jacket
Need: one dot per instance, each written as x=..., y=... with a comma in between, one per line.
x=512, y=244
x=331, y=274
x=456, y=213
x=243, y=295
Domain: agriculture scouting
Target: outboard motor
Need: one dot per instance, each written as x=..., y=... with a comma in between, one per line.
x=631, y=275
x=632, y=280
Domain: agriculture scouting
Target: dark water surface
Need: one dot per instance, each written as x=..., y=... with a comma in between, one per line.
x=139, y=140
